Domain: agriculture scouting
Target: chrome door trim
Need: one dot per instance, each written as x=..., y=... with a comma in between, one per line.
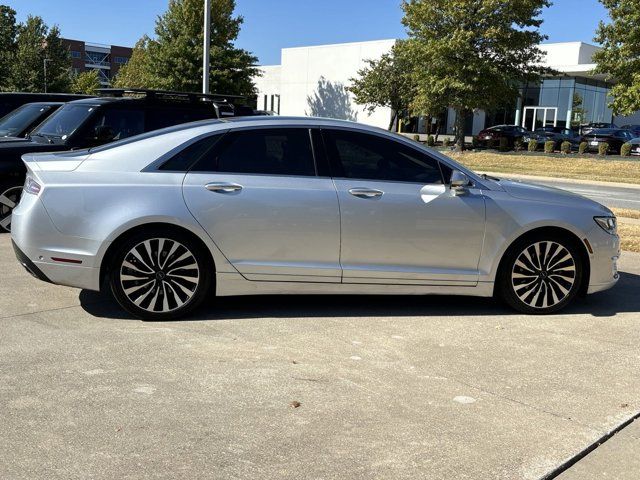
x=223, y=187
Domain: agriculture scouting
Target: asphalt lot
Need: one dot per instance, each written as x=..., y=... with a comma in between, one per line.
x=314, y=387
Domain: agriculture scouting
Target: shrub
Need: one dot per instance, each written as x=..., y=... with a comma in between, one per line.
x=603, y=148
x=475, y=142
x=533, y=145
x=549, y=146
x=518, y=144
x=625, y=151
x=582, y=148
x=504, y=144
x=416, y=138
x=565, y=147
x=431, y=141
x=446, y=142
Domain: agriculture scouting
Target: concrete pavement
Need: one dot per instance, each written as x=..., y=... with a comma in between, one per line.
x=309, y=387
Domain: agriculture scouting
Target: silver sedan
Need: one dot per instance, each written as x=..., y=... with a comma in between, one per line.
x=298, y=205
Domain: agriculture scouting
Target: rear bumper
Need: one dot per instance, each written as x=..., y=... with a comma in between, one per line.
x=28, y=265
x=45, y=252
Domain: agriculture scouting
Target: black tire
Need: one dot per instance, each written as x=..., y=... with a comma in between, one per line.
x=167, y=284
x=9, y=197
x=541, y=273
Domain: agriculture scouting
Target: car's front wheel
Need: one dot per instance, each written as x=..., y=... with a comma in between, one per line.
x=541, y=274
x=9, y=198
x=160, y=275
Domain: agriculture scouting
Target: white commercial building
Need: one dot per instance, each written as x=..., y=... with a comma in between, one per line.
x=313, y=81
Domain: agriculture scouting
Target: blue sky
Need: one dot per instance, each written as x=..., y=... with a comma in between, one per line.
x=273, y=24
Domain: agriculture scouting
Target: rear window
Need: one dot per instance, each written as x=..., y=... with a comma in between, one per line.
x=186, y=157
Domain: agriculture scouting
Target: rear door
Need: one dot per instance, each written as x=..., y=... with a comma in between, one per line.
x=258, y=195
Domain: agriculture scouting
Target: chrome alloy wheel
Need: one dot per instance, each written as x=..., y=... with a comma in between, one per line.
x=543, y=274
x=8, y=201
x=159, y=275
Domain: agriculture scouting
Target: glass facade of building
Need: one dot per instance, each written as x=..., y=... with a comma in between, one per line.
x=565, y=102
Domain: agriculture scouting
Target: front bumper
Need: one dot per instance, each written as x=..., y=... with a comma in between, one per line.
x=604, y=260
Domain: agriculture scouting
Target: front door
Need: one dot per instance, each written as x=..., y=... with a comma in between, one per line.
x=400, y=222
x=259, y=198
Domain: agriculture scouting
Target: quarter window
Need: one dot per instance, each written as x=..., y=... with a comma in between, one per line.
x=182, y=161
x=283, y=151
x=371, y=157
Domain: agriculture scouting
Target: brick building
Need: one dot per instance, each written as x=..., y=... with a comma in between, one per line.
x=106, y=59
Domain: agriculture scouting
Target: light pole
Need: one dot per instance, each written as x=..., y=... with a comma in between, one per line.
x=45, y=61
x=207, y=46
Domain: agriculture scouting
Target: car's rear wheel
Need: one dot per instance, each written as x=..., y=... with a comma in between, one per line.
x=160, y=275
x=541, y=274
x=9, y=198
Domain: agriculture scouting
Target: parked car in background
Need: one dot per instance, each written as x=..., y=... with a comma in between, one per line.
x=274, y=205
x=635, y=146
x=11, y=101
x=588, y=128
x=22, y=120
x=634, y=129
x=557, y=134
x=615, y=137
x=92, y=122
x=493, y=134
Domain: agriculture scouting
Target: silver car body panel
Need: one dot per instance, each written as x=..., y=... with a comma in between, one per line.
x=288, y=234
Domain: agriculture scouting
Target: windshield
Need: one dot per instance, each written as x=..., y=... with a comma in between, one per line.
x=59, y=126
x=16, y=122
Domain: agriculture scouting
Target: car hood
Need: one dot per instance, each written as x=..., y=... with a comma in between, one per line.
x=544, y=194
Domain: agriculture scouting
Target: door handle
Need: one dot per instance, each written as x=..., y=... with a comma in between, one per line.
x=366, y=192
x=223, y=187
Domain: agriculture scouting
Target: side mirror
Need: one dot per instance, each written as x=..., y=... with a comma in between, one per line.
x=103, y=134
x=460, y=182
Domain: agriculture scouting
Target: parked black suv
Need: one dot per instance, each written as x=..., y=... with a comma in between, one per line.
x=92, y=122
x=11, y=101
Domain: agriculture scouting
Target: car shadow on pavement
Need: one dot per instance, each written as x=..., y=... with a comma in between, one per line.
x=625, y=297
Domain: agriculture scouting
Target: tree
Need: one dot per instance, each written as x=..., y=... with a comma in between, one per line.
x=386, y=82
x=473, y=54
x=8, y=31
x=136, y=73
x=35, y=42
x=619, y=58
x=173, y=59
x=86, y=82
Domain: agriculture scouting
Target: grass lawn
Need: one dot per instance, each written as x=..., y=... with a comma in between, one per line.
x=570, y=166
x=629, y=236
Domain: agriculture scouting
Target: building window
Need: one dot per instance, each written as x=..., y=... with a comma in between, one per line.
x=120, y=60
x=76, y=54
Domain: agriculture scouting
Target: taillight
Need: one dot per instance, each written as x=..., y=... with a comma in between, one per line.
x=32, y=187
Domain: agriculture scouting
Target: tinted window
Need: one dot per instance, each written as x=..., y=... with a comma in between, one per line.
x=124, y=122
x=182, y=161
x=17, y=121
x=65, y=121
x=370, y=157
x=282, y=151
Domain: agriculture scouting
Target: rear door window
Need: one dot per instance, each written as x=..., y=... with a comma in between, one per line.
x=271, y=151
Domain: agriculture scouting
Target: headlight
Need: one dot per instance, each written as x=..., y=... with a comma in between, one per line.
x=608, y=224
x=32, y=187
